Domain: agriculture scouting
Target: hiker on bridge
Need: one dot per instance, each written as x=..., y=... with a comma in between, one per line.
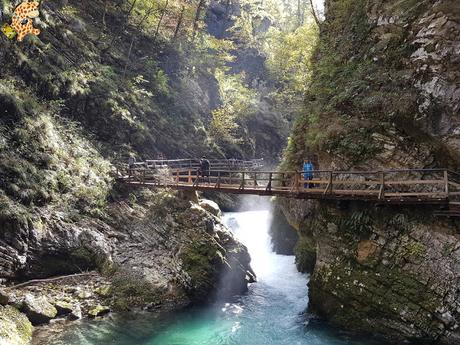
x=308, y=168
x=131, y=164
x=205, y=166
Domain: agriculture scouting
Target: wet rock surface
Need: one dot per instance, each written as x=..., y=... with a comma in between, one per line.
x=394, y=272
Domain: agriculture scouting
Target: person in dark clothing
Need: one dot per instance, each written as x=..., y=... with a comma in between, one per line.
x=131, y=164
x=308, y=172
x=205, y=166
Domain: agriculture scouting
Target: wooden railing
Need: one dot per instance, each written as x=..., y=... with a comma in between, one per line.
x=388, y=185
x=216, y=164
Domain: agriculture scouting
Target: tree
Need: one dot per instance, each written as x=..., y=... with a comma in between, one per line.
x=199, y=8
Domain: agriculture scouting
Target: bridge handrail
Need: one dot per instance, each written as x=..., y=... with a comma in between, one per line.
x=382, y=185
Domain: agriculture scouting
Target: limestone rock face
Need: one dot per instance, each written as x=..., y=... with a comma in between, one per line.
x=384, y=95
x=389, y=271
x=15, y=328
x=211, y=207
x=45, y=245
x=166, y=253
x=283, y=236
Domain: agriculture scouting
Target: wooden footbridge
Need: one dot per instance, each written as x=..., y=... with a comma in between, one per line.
x=414, y=186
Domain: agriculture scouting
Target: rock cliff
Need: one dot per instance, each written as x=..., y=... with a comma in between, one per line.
x=163, y=251
x=384, y=94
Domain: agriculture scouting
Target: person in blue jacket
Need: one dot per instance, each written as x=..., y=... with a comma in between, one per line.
x=307, y=172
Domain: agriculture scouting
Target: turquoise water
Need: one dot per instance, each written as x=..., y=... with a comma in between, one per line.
x=271, y=313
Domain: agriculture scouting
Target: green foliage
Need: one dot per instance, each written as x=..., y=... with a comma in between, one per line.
x=358, y=223
x=238, y=104
x=289, y=55
x=47, y=159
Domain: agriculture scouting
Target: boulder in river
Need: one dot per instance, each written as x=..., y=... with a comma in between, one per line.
x=38, y=309
x=98, y=310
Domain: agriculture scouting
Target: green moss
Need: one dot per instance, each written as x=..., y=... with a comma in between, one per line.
x=201, y=261
x=98, y=311
x=15, y=328
x=350, y=293
x=305, y=254
x=130, y=290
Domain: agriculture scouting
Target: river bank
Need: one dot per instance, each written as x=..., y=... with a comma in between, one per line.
x=271, y=312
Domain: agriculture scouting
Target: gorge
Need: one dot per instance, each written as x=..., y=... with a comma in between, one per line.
x=368, y=85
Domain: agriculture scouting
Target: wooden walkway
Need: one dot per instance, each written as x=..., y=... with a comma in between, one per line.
x=416, y=186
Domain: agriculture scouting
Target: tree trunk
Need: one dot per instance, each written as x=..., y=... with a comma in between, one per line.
x=163, y=12
x=197, y=17
x=129, y=56
x=105, y=12
x=314, y=13
x=179, y=22
x=131, y=9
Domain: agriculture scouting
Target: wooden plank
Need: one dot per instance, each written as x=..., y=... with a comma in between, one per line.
x=414, y=194
x=411, y=182
x=455, y=184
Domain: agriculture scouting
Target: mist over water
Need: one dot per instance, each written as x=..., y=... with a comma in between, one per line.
x=271, y=313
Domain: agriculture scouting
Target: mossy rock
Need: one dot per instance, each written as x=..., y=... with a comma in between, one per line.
x=63, y=308
x=305, y=254
x=103, y=291
x=15, y=328
x=98, y=310
x=130, y=289
x=38, y=310
x=202, y=260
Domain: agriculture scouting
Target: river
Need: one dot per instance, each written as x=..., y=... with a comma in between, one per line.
x=271, y=313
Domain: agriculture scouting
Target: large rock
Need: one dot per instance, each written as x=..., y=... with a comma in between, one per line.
x=392, y=273
x=98, y=310
x=4, y=297
x=211, y=207
x=15, y=328
x=38, y=309
x=283, y=236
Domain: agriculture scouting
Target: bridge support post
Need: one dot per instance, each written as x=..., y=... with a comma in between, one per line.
x=218, y=180
x=446, y=184
x=382, y=185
